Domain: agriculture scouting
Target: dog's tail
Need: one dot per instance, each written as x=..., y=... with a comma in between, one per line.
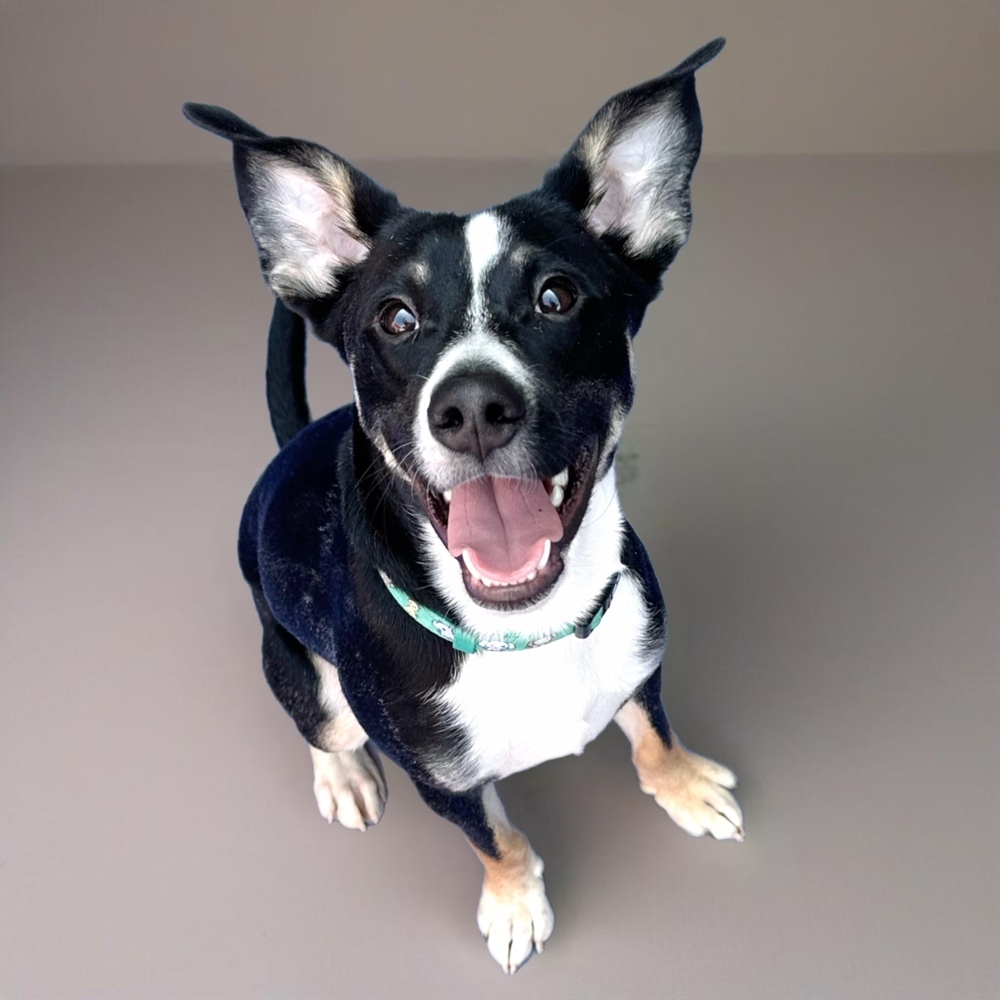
x=286, y=374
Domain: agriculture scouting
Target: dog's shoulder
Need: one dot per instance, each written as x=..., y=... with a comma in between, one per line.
x=292, y=541
x=636, y=559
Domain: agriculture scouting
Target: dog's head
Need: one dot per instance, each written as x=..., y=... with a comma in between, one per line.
x=491, y=354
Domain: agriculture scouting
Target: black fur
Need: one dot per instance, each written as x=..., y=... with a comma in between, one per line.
x=649, y=699
x=466, y=811
x=312, y=536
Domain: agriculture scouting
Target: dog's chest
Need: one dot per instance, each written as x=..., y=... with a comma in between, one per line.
x=518, y=709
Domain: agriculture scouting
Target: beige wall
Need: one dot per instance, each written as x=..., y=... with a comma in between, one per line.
x=814, y=453
x=99, y=81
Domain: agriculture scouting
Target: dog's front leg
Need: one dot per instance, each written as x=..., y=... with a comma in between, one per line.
x=348, y=780
x=693, y=790
x=514, y=913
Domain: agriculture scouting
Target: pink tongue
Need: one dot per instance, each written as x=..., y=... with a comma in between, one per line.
x=503, y=525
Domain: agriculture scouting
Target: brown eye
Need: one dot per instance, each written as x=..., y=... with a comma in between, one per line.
x=396, y=318
x=557, y=296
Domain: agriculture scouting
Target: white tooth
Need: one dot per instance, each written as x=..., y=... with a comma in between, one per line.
x=447, y=496
x=472, y=572
x=556, y=496
x=562, y=479
x=546, y=552
x=531, y=576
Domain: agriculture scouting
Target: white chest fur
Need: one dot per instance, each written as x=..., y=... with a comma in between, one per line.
x=521, y=708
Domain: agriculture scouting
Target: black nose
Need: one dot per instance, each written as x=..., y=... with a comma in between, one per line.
x=476, y=413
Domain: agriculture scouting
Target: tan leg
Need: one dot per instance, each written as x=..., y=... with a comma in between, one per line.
x=693, y=790
x=514, y=913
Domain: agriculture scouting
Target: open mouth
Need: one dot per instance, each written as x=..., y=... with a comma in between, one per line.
x=509, y=534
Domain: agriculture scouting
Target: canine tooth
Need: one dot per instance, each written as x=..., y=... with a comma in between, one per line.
x=562, y=479
x=556, y=496
x=531, y=576
x=546, y=552
x=472, y=572
x=447, y=496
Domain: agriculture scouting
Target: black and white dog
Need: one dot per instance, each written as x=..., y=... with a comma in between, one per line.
x=442, y=569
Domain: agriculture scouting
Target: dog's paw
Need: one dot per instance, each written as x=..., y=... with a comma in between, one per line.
x=349, y=786
x=695, y=793
x=515, y=917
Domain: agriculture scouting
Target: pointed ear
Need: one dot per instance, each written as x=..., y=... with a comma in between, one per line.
x=629, y=172
x=312, y=215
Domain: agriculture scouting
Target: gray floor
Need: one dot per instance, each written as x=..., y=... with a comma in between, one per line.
x=814, y=465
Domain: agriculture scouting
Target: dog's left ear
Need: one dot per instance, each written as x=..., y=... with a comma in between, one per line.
x=629, y=172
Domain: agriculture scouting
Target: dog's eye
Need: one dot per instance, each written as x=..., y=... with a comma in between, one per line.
x=557, y=296
x=396, y=318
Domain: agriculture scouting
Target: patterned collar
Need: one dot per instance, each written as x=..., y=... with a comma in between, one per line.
x=468, y=642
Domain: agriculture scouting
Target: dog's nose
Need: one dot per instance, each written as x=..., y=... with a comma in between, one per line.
x=476, y=413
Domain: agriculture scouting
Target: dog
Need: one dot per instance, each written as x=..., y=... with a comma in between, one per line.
x=442, y=569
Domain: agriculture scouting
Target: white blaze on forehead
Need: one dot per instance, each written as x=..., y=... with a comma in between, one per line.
x=486, y=239
x=476, y=348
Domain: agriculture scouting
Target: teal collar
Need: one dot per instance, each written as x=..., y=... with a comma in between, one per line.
x=468, y=642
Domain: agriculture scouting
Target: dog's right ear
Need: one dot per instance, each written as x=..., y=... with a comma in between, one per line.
x=313, y=216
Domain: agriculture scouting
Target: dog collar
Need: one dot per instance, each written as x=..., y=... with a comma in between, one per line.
x=468, y=642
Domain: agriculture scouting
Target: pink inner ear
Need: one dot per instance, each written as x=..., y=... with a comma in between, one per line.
x=610, y=210
x=643, y=183
x=631, y=164
x=344, y=247
x=316, y=217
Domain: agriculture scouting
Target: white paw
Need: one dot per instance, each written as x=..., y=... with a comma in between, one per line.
x=694, y=791
x=349, y=786
x=515, y=917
